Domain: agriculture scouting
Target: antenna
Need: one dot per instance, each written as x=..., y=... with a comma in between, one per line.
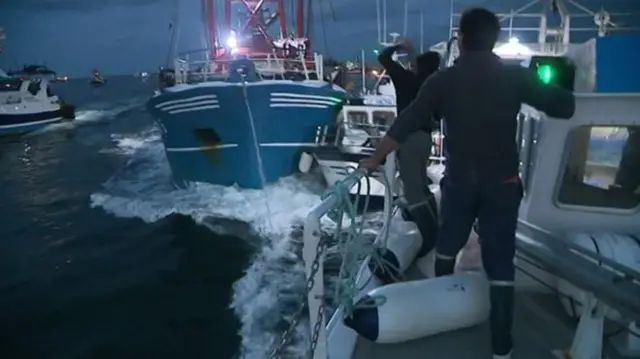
x=421, y=32
x=384, y=19
x=406, y=18
x=378, y=19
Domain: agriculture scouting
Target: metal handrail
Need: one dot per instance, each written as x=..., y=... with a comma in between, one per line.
x=311, y=246
x=557, y=256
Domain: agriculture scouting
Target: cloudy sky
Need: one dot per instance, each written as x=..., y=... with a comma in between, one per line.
x=127, y=36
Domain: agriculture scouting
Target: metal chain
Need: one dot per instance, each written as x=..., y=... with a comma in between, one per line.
x=287, y=335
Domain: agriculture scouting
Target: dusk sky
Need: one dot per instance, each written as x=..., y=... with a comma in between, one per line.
x=128, y=36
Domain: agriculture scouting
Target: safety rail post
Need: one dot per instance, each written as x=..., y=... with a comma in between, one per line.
x=312, y=244
x=304, y=66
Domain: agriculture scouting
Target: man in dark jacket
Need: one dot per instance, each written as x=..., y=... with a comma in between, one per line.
x=413, y=155
x=479, y=98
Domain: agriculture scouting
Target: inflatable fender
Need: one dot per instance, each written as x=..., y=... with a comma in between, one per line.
x=435, y=174
x=305, y=163
x=402, y=246
x=621, y=248
x=416, y=309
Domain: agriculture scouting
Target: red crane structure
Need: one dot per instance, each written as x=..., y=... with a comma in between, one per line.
x=251, y=30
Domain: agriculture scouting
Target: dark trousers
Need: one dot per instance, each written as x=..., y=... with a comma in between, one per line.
x=495, y=203
x=413, y=158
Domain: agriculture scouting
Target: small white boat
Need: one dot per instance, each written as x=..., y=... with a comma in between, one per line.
x=339, y=148
x=29, y=104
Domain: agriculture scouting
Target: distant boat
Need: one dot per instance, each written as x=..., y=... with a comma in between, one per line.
x=33, y=71
x=96, y=78
x=27, y=105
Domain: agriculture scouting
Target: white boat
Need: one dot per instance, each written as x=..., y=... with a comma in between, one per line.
x=338, y=148
x=29, y=104
x=578, y=246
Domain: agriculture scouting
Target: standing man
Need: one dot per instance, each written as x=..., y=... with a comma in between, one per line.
x=479, y=98
x=413, y=155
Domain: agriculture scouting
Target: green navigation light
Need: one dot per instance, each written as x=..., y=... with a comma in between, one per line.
x=546, y=74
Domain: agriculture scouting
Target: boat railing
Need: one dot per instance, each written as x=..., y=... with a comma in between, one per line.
x=603, y=279
x=199, y=66
x=313, y=255
x=375, y=122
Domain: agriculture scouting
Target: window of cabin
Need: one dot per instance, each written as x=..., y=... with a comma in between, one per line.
x=357, y=120
x=34, y=87
x=10, y=85
x=357, y=129
x=383, y=119
x=603, y=168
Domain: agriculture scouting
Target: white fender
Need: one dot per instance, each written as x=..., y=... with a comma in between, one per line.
x=623, y=249
x=305, y=163
x=435, y=173
x=402, y=245
x=417, y=309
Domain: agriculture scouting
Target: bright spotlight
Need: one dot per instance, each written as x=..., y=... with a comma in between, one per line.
x=232, y=41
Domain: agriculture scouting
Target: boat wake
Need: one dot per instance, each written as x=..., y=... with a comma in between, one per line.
x=92, y=115
x=267, y=296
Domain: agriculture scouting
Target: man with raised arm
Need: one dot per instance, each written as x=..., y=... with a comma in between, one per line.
x=413, y=155
x=479, y=98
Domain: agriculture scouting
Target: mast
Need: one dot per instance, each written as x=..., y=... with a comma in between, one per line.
x=212, y=27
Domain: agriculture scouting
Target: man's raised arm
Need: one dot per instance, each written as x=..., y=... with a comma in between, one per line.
x=415, y=117
x=550, y=99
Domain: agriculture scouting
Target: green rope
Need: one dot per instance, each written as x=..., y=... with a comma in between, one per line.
x=351, y=244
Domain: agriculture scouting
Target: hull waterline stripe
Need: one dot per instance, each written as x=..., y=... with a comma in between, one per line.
x=311, y=97
x=191, y=104
x=287, y=144
x=16, y=125
x=300, y=105
x=194, y=109
x=186, y=100
x=201, y=148
x=295, y=100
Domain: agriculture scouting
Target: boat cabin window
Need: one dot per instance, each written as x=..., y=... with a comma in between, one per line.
x=383, y=119
x=602, y=168
x=34, y=87
x=357, y=119
x=10, y=85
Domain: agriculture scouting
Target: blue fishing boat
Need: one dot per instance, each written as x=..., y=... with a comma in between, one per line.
x=240, y=111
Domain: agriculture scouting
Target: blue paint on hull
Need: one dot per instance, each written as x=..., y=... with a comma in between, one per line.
x=208, y=137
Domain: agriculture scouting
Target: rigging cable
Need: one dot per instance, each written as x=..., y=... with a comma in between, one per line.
x=174, y=27
x=324, y=29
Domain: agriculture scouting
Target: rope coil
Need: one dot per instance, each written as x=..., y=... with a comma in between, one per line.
x=352, y=246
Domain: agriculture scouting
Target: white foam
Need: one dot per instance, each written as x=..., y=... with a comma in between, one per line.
x=265, y=298
x=87, y=116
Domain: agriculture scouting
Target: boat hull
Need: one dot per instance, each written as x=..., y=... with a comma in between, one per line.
x=336, y=163
x=20, y=123
x=208, y=134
